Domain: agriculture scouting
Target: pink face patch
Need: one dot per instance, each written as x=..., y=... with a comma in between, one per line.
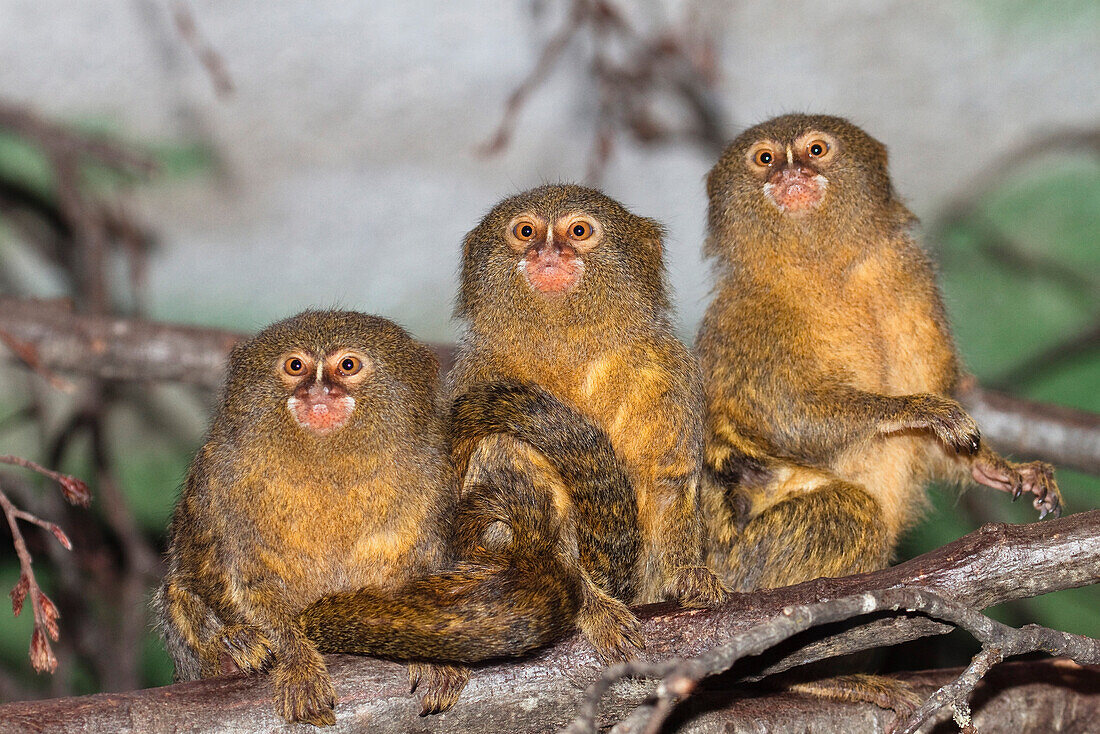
x=795, y=190
x=551, y=270
x=319, y=411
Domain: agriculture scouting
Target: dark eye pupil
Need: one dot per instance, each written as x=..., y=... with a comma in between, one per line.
x=765, y=157
x=348, y=365
x=295, y=365
x=579, y=230
x=526, y=230
x=816, y=149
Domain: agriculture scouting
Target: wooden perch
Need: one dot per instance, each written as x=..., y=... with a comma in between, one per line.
x=49, y=337
x=992, y=565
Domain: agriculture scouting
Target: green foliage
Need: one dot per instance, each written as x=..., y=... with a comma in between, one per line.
x=1022, y=272
x=26, y=164
x=1021, y=275
x=23, y=162
x=156, y=666
x=151, y=476
x=1029, y=16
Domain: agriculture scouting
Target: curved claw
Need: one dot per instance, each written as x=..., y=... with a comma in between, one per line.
x=304, y=692
x=442, y=685
x=697, y=586
x=611, y=628
x=247, y=646
x=1035, y=478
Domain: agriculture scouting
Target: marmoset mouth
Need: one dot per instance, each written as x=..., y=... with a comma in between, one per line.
x=552, y=270
x=795, y=189
x=321, y=412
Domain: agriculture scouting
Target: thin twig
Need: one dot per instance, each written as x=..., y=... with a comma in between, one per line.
x=210, y=59
x=29, y=356
x=75, y=490
x=956, y=692
x=44, y=610
x=547, y=58
x=628, y=71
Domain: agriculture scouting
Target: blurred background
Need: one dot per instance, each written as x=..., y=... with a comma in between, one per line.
x=234, y=163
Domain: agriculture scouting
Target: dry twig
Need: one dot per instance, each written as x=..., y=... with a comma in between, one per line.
x=29, y=356
x=210, y=59
x=45, y=611
x=628, y=71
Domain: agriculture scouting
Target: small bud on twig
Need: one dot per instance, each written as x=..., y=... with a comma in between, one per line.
x=75, y=491
x=42, y=657
x=19, y=593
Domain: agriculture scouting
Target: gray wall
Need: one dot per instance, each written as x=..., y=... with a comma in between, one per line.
x=348, y=171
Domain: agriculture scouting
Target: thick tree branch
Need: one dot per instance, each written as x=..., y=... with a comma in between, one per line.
x=116, y=348
x=54, y=339
x=995, y=564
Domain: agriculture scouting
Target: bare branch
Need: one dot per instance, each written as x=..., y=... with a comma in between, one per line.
x=1063, y=436
x=132, y=349
x=210, y=59
x=628, y=71
x=679, y=677
x=990, y=566
x=117, y=348
x=75, y=490
x=547, y=58
x=956, y=692
x=29, y=356
x=1021, y=697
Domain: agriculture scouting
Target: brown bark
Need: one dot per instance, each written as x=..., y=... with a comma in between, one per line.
x=116, y=348
x=1022, y=698
x=995, y=564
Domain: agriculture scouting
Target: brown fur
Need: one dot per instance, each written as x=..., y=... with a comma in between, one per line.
x=519, y=581
x=273, y=517
x=828, y=364
x=606, y=348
